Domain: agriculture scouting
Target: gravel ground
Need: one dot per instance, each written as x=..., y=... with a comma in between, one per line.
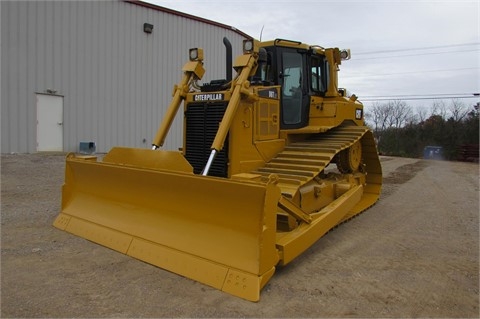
x=414, y=254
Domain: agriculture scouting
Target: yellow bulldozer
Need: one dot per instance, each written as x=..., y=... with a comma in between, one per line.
x=272, y=159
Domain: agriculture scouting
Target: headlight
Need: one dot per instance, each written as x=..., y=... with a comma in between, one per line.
x=247, y=46
x=195, y=54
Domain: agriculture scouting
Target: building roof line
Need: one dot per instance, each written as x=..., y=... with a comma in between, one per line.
x=186, y=15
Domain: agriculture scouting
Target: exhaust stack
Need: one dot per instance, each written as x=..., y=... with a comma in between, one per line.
x=229, y=58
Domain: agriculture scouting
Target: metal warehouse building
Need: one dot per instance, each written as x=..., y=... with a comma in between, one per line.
x=97, y=71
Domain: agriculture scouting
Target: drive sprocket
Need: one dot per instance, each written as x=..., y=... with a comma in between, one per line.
x=349, y=160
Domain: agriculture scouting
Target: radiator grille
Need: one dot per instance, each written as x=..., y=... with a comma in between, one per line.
x=202, y=121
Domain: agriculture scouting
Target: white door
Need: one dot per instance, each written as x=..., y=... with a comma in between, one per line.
x=49, y=123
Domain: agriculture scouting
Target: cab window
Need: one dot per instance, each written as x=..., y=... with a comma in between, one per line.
x=292, y=74
x=318, y=78
x=292, y=93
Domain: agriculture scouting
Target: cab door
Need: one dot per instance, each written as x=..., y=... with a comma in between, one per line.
x=292, y=78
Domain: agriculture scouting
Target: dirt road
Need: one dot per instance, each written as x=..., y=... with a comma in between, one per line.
x=414, y=254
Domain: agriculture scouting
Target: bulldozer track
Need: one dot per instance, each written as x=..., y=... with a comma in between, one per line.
x=301, y=162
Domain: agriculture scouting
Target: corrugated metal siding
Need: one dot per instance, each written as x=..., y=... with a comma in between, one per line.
x=116, y=80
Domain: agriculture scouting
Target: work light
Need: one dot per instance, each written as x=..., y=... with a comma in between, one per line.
x=247, y=46
x=345, y=54
x=195, y=54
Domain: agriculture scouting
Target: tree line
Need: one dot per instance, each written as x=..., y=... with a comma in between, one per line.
x=401, y=130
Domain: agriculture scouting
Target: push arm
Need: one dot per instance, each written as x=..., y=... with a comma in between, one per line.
x=246, y=65
x=191, y=70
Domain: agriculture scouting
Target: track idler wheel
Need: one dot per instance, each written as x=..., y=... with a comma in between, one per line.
x=349, y=160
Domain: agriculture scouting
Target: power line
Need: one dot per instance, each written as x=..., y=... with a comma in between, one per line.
x=414, y=72
x=421, y=48
x=408, y=98
x=410, y=55
x=417, y=95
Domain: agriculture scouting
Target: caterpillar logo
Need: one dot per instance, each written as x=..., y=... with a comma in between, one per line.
x=358, y=114
x=208, y=97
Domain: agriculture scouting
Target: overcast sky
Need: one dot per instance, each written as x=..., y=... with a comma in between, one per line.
x=398, y=47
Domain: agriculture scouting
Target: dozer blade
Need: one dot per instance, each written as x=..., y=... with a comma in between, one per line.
x=215, y=231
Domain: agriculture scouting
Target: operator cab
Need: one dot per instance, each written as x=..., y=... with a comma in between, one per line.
x=301, y=73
